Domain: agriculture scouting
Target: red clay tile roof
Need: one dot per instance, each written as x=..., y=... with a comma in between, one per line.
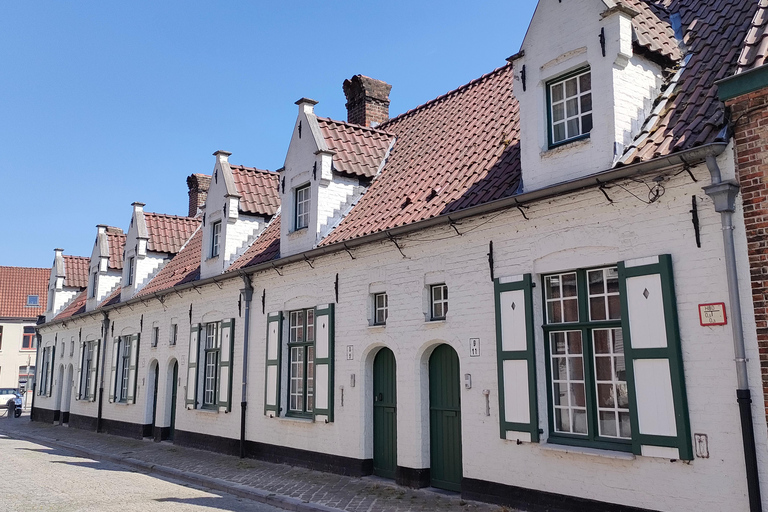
x=184, y=267
x=167, y=233
x=359, y=150
x=16, y=283
x=755, y=51
x=116, y=246
x=112, y=298
x=76, y=271
x=75, y=307
x=693, y=115
x=652, y=31
x=258, y=190
x=456, y=151
x=265, y=248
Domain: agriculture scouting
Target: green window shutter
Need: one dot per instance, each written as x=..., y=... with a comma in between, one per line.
x=274, y=352
x=655, y=377
x=324, y=355
x=194, y=348
x=516, y=363
x=80, y=393
x=113, y=372
x=51, y=362
x=94, y=371
x=133, y=369
x=226, y=352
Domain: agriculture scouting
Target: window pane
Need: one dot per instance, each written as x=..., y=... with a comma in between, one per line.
x=558, y=132
x=554, y=315
x=558, y=112
x=572, y=107
x=596, y=282
x=597, y=308
x=586, y=103
x=310, y=379
x=562, y=420
x=560, y=393
x=614, y=307
x=571, y=310
x=558, y=342
x=557, y=92
x=578, y=397
x=585, y=82
x=310, y=325
x=573, y=128
x=576, y=368
x=570, y=88
x=586, y=123
x=569, y=284
x=624, y=429
x=559, y=371
x=552, y=287
x=608, y=423
x=579, y=421
x=606, y=395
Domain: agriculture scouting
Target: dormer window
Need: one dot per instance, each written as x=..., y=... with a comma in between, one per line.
x=33, y=300
x=215, y=234
x=93, y=282
x=302, y=207
x=130, y=270
x=569, y=99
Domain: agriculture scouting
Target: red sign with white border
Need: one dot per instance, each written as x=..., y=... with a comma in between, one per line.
x=712, y=314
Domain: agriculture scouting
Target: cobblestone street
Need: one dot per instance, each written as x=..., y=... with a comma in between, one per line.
x=275, y=484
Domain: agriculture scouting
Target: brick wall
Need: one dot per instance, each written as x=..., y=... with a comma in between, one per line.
x=750, y=120
x=198, y=191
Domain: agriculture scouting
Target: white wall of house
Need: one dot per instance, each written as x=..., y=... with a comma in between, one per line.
x=106, y=279
x=12, y=355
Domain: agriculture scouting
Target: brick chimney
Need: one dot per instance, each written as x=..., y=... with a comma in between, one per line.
x=367, y=100
x=198, y=190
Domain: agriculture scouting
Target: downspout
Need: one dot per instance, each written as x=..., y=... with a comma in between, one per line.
x=105, y=329
x=247, y=292
x=724, y=194
x=37, y=372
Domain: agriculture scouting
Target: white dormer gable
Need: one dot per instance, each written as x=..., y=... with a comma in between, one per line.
x=139, y=263
x=227, y=231
x=58, y=295
x=310, y=192
x=583, y=92
x=102, y=278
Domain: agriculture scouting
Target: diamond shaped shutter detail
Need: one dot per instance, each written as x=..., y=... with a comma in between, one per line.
x=94, y=371
x=133, y=369
x=516, y=364
x=80, y=391
x=113, y=372
x=324, y=355
x=659, y=408
x=190, y=400
x=226, y=352
x=274, y=351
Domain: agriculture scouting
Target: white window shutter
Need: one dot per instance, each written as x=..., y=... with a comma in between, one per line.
x=194, y=341
x=226, y=351
x=324, y=356
x=659, y=407
x=113, y=372
x=273, y=357
x=133, y=369
x=515, y=356
x=94, y=371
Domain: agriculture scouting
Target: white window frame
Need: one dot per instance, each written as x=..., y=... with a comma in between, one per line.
x=215, y=238
x=33, y=300
x=211, y=355
x=124, y=369
x=155, y=335
x=580, y=102
x=303, y=199
x=380, y=308
x=301, y=362
x=174, y=334
x=438, y=301
x=131, y=262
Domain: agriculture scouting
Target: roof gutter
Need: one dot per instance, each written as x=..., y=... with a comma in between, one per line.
x=688, y=157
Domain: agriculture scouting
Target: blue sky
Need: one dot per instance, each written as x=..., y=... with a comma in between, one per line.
x=107, y=103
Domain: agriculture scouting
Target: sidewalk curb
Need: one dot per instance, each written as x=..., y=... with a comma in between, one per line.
x=216, y=484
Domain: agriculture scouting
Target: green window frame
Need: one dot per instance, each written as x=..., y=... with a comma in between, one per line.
x=301, y=362
x=586, y=367
x=211, y=356
x=303, y=199
x=438, y=301
x=569, y=107
x=380, y=308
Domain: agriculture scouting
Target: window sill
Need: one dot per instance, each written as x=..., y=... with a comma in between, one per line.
x=296, y=419
x=206, y=410
x=583, y=450
x=584, y=140
x=209, y=258
x=436, y=321
x=375, y=327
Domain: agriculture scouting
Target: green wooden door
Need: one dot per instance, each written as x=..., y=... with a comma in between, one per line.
x=174, y=389
x=154, y=399
x=384, y=414
x=445, y=419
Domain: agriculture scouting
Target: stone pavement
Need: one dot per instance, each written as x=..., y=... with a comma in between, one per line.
x=280, y=485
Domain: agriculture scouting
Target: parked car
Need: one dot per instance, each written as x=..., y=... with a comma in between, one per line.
x=10, y=397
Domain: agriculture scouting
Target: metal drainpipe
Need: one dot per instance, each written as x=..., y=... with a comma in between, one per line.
x=37, y=372
x=105, y=328
x=724, y=196
x=247, y=292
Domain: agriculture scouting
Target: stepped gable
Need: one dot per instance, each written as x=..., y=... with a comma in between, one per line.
x=112, y=298
x=76, y=271
x=358, y=150
x=652, y=31
x=76, y=307
x=693, y=115
x=755, y=51
x=183, y=268
x=167, y=233
x=454, y=152
x=258, y=190
x=265, y=248
x=16, y=283
x=116, y=242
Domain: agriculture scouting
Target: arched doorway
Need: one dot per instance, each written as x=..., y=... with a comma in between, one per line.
x=384, y=414
x=445, y=419
x=154, y=398
x=171, y=391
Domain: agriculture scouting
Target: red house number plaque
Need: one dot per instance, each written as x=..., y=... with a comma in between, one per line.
x=712, y=314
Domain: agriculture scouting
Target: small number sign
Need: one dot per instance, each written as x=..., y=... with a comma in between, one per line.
x=474, y=347
x=712, y=314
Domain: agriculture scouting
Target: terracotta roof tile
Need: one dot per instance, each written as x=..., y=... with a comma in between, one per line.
x=258, y=190
x=755, y=51
x=184, y=267
x=359, y=150
x=454, y=152
x=76, y=271
x=692, y=115
x=16, y=283
x=167, y=233
x=265, y=248
x=652, y=30
x=75, y=307
x=116, y=246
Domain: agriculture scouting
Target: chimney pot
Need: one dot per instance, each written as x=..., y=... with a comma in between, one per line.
x=367, y=100
x=198, y=185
